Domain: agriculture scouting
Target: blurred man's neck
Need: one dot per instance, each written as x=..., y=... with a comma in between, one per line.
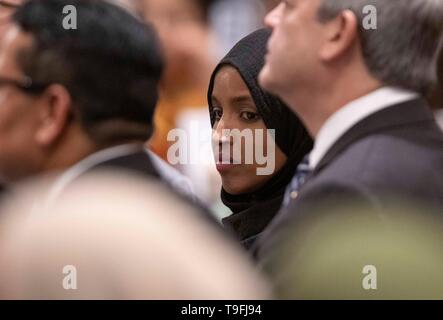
x=317, y=106
x=74, y=147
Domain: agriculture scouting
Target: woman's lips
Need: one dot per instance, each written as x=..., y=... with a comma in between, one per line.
x=223, y=167
x=224, y=163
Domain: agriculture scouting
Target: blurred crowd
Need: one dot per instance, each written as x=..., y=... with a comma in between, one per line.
x=120, y=177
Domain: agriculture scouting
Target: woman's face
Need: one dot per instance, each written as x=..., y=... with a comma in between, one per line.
x=234, y=108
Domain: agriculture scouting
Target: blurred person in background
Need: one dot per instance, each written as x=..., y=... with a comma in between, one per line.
x=157, y=249
x=362, y=100
x=232, y=20
x=237, y=102
x=72, y=101
x=185, y=34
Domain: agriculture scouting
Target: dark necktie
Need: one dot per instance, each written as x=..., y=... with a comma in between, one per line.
x=297, y=181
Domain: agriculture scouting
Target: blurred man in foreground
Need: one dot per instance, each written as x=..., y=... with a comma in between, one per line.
x=157, y=249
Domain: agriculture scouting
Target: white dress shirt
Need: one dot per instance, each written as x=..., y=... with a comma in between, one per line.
x=352, y=113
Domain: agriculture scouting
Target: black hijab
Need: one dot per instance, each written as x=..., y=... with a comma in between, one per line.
x=253, y=211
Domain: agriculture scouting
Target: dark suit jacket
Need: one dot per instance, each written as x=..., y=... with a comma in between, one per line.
x=394, y=154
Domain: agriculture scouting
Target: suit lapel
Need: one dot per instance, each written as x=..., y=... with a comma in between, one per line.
x=407, y=113
x=140, y=162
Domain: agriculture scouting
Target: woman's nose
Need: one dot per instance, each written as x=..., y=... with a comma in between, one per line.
x=273, y=17
x=221, y=132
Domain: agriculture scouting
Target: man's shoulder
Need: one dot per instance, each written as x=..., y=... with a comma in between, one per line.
x=387, y=154
x=382, y=165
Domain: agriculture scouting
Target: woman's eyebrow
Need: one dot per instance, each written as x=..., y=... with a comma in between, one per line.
x=242, y=99
x=246, y=98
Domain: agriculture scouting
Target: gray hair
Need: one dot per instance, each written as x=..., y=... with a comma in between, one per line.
x=402, y=50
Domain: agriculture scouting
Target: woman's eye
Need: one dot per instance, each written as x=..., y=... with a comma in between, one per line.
x=249, y=116
x=217, y=114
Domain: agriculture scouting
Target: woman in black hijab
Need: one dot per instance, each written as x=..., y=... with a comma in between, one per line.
x=237, y=102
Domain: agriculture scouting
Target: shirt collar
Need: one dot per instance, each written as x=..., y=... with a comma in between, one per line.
x=87, y=163
x=352, y=113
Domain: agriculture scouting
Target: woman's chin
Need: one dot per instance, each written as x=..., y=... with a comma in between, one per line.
x=223, y=168
x=236, y=186
x=232, y=187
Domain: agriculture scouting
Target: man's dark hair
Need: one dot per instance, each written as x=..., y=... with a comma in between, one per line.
x=402, y=50
x=111, y=64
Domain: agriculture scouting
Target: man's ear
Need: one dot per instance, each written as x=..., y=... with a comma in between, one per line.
x=54, y=114
x=341, y=35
